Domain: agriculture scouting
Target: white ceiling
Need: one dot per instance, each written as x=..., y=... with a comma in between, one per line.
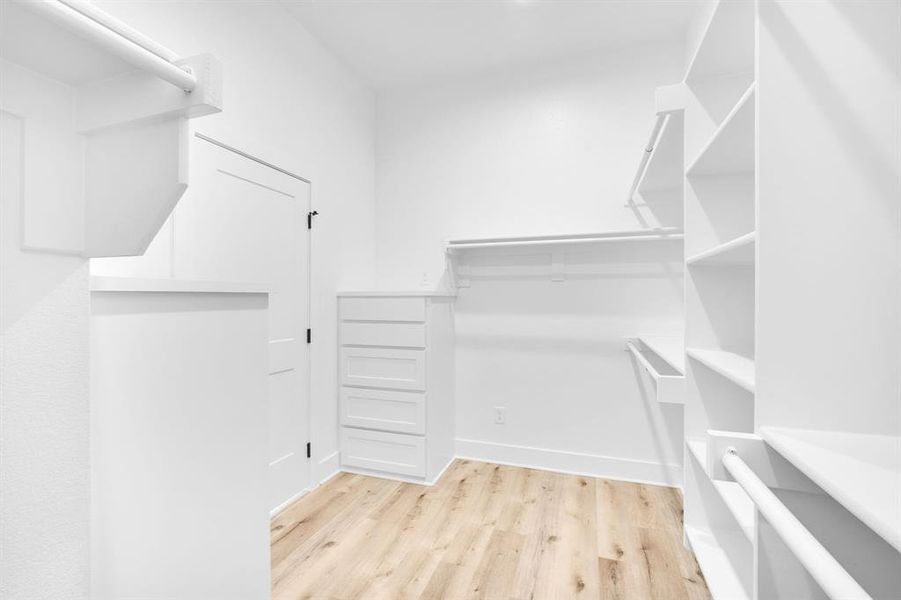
x=392, y=42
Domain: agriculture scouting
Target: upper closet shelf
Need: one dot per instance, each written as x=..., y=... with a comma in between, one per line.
x=727, y=44
x=734, y=367
x=100, y=110
x=730, y=150
x=640, y=235
x=861, y=472
x=737, y=252
x=136, y=284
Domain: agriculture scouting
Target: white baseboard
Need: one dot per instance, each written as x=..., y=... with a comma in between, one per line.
x=281, y=507
x=327, y=468
x=574, y=463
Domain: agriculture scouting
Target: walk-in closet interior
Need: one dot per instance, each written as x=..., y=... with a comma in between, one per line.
x=396, y=299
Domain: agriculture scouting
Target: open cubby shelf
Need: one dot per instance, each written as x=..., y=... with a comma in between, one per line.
x=731, y=148
x=736, y=500
x=734, y=367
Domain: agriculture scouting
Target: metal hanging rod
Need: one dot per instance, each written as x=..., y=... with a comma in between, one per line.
x=662, y=233
x=646, y=156
x=831, y=576
x=117, y=38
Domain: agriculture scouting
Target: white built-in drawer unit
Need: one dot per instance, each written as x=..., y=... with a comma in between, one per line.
x=396, y=371
x=395, y=368
x=386, y=410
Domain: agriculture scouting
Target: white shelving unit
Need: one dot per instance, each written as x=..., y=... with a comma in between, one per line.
x=720, y=120
x=773, y=369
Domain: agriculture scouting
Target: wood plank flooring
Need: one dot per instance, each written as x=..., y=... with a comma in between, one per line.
x=484, y=531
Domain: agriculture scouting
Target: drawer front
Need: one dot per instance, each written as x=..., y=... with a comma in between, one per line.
x=383, y=368
x=383, y=309
x=380, y=451
x=387, y=410
x=408, y=335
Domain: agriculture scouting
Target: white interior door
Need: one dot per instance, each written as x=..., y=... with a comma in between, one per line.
x=242, y=220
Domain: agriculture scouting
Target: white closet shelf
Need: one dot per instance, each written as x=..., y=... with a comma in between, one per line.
x=730, y=150
x=736, y=252
x=734, y=367
x=719, y=572
x=137, y=284
x=670, y=348
x=638, y=235
x=736, y=500
x=114, y=109
x=860, y=471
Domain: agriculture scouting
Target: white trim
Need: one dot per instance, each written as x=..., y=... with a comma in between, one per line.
x=281, y=507
x=333, y=457
x=330, y=465
x=572, y=463
x=391, y=476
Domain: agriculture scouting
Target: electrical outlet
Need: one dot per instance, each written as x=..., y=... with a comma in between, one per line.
x=500, y=415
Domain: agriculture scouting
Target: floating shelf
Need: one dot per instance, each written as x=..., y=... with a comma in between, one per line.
x=731, y=148
x=737, y=252
x=670, y=348
x=861, y=472
x=719, y=572
x=136, y=284
x=736, y=500
x=734, y=367
x=727, y=45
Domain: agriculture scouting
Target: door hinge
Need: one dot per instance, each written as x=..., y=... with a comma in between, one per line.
x=309, y=336
x=310, y=216
x=309, y=450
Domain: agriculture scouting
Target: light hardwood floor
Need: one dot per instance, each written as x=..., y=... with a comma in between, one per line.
x=484, y=531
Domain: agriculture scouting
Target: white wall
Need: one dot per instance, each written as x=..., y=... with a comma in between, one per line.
x=289, y=101
x=548, y=149
x=44, y=418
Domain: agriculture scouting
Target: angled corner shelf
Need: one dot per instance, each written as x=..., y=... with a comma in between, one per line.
x=734, y=367
x=731, y=149
x=862, y=472
x=727, y=43
x=736, y=252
